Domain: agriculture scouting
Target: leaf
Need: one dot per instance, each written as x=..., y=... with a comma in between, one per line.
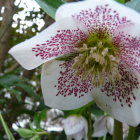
x=29, y=90
x=2, y=101
x=39, y=116
x=36, y=137
x=17, y=94
x=121, y=1
x=134, y=4
x=50, y=6
x=25, y=133
x=8, y=80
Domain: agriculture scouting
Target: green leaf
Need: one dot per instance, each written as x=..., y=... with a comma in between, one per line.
x=121, y=1
x=25, y=133
x=50, y=6
x=2, y=101
x=36, y=137
x=17, y=94
x=8, y=80
x=39, y=116
x=134, y=4
x=29, y=90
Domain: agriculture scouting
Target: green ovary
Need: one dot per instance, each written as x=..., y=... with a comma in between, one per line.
x=97, y=57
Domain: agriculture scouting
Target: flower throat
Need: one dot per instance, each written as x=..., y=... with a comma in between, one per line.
x=97, y=58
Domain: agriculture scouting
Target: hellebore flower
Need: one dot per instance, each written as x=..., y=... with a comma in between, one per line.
x=96, y=47
x=104, y=125
x=75, y=127
x=53, y=121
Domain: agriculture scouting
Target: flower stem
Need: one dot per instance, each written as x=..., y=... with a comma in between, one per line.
x=89, y=124
x=131, y=134
x=118, y=134
x=7, y=131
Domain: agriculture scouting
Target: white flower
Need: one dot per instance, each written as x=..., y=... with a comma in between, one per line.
x=76, y=127
x=53, y=114
x=102, y=38
x=104, y=125
x=54, y=121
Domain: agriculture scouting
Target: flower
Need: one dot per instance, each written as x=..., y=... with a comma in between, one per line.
x=76, y=127
x=96, y=47
x=104, y=125
x=54, y=121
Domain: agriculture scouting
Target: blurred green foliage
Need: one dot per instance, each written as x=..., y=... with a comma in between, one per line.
x=50, y=6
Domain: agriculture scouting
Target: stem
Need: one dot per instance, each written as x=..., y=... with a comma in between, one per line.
x=118, y=133
x=89, y=125
x=7, y=131
x=131, y=134
x=42, y=133
x=102, y=138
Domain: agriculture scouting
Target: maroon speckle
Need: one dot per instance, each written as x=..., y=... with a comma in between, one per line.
x=122, y=90
x=70, y=85
x=62, y=43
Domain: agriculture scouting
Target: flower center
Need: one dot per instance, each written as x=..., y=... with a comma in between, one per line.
x=97, y=57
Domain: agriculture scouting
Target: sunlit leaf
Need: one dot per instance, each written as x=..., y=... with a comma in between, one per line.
x=25, y=133
x=36, y=137
x=121, y=1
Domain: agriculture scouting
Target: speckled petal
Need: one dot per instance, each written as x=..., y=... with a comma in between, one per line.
x=128, y=38
x=93, y=6
x=61, y=88
x=58, y=39
x=121, y=99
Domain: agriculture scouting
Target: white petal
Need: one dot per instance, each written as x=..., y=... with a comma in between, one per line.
x=110, y=124
x=91, y=9
x=125, y=130
x=58, y=39
x=61, y=88
x=128, y=38
x=121, y=100
x=74, y=125
x=79, y=136
x=100, y=127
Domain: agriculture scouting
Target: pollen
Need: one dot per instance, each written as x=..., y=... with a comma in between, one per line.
x=98, y=58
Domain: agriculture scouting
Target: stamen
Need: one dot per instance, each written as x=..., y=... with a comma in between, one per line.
x=99, y=62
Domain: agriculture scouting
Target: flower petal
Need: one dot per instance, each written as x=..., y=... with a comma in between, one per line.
x=90, y=10
x=110, y=125
x=128, y=38
x=58, y=39
x=74, y=125
x=100, y=127
x=61, y=88
x=121, y=99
